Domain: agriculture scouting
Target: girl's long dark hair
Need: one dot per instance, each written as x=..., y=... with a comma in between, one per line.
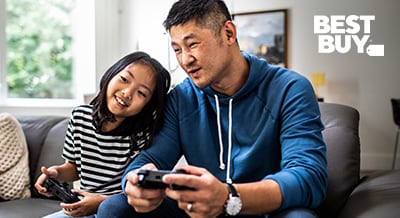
x=142, y=126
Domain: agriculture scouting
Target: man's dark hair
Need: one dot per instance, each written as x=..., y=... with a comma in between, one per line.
x=143, y=125
x=210, y=14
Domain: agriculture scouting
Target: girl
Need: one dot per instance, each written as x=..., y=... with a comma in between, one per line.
x=103, y=137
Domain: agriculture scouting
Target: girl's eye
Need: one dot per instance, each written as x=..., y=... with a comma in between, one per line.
x=142, y=94
x=123, y=79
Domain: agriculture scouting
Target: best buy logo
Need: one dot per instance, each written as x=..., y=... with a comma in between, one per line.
x=337, y=33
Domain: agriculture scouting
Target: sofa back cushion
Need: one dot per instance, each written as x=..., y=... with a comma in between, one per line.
x=45, y=138
x=53, y=144
x=343, y=154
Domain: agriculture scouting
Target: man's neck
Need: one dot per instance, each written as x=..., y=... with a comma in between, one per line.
x=235, y=79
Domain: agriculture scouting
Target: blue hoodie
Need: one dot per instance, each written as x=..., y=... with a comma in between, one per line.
x=269, y=129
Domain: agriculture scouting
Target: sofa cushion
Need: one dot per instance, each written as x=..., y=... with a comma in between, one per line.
x=376, y=196
x=343, y=155
x=14, y=167
x=29, y=207
x=36, y=129
x=51, y=153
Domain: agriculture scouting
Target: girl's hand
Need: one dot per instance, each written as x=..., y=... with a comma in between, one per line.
x=86, y=206
x=46, y=173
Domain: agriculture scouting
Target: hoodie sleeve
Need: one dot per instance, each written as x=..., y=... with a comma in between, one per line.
x=303, y=175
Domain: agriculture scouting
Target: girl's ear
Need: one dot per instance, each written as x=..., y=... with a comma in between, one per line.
x=229, y=32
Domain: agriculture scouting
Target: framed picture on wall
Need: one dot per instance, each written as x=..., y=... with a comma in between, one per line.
x=264, y=33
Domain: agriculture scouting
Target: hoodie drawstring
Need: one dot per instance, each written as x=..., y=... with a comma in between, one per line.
x=221, y=145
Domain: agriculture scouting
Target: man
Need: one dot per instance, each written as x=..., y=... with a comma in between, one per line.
x=250, y=131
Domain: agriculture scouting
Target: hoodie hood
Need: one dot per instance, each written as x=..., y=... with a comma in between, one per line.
x=256, y=68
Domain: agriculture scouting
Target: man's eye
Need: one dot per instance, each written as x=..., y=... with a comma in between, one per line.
x=177, y=50
x=193, y=44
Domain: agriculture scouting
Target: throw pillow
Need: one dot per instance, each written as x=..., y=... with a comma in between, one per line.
x=14, y=165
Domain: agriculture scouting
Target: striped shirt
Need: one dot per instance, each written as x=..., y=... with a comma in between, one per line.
x=100, y=158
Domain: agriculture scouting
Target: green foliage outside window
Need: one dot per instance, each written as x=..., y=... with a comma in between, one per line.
x=39, y=54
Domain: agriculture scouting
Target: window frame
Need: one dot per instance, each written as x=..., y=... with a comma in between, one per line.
x=3, y=88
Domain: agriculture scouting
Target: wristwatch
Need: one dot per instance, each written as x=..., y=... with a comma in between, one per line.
x=234, y=204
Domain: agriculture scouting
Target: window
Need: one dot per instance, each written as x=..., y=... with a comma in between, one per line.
x=39, y=49
x=40, y=42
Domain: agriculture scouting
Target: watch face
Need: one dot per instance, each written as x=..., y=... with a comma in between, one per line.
x=233, y=206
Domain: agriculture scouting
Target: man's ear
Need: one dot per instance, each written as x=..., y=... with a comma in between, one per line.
x=229, y=31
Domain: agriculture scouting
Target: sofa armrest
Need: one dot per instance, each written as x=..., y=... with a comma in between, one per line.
x=343, y=155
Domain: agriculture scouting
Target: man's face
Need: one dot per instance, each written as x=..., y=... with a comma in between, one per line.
x=201, y=54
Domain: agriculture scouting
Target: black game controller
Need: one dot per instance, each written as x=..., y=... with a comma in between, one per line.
x=152, y=179
x=60, y=190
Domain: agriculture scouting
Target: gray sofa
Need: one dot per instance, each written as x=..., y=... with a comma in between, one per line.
x=348, y=195
x=45, y=138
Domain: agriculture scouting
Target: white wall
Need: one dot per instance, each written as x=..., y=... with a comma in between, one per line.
x=364, y=82
x=141, y=29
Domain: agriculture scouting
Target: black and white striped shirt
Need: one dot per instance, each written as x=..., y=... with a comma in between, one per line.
x=100, y=158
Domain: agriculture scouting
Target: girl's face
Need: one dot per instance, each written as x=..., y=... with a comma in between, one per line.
x=130, y=90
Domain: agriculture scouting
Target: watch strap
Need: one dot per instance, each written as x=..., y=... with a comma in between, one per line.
x=232, y=190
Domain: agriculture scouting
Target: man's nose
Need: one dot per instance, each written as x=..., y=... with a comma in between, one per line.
x=187, y=58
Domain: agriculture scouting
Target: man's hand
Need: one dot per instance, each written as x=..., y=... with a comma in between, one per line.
x=208, y=198
x=143, y=200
